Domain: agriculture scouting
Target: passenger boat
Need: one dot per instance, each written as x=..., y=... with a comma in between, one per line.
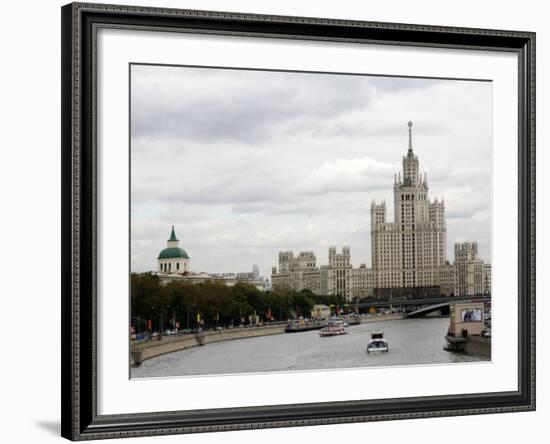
x=293, y=327
x=332, y=330
x=377, y=342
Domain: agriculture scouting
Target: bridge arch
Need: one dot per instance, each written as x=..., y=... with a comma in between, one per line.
x=443, y=307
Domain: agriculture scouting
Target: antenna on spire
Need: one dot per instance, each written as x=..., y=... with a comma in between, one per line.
x=410, y=136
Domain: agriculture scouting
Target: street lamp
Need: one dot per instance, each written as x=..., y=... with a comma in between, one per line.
x=168, y=313
x=152, y=314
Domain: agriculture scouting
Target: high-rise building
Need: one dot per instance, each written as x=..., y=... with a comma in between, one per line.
x=339, y=272
x=362, y=282
x=486, y=278
x=408, y=252
x=469, y=269
x=297, y=272
x=468, y=276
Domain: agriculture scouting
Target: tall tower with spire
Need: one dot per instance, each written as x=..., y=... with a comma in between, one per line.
x=408, y=252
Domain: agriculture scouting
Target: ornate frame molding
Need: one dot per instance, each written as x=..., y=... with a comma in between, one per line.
x=80, y=22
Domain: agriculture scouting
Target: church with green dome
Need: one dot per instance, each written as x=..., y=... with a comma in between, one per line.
x=173, y=259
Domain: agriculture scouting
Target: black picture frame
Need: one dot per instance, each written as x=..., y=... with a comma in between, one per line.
x=79, y=209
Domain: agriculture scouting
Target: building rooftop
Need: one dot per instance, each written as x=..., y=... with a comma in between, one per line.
x=173, y=253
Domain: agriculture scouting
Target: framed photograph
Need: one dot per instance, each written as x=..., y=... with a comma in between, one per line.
x=275, y=221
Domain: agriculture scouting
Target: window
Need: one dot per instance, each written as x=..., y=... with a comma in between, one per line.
x=178, y=266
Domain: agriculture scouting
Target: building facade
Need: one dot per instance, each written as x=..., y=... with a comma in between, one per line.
x=486, y=278
x=362, y=282
x=408, y=252
x=447, y=279
x=469, y=270
x=339, y=272
x=174, y=265
x=337, y=278
x=297, y=272
x=468, y=275
x=173, y=259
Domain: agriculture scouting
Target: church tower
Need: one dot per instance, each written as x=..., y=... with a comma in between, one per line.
x=173, y=259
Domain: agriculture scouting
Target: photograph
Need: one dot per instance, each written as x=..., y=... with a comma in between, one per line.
x=471, y=315
x=300, y=221
x=295, y=218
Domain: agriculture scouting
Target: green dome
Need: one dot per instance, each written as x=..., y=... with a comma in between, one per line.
x=173, y=253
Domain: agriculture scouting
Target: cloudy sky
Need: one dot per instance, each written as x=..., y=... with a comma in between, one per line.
x=248, y=163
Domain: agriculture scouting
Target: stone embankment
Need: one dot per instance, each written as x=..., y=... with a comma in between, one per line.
x=478, y=346
x=168, y=344
x=384, y=317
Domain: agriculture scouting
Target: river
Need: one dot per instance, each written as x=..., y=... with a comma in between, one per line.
x=411, y=341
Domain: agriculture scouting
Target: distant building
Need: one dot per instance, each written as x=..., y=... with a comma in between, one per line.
x=339, y=272
x=253, y=275
x=408, y=255
x=468, y=275
x=173, y=259
x=339, y=278
x=447, y=279
x=297, y=272
x=174, y=265
x=408, y=252
x=362, y=282
x=486, y=278
x=469, y=270
x=320, y=311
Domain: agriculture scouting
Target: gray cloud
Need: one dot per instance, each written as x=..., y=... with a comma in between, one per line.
x=245, y=106
x=246, y=163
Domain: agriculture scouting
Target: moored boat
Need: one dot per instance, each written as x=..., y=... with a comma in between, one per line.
x=294, y=327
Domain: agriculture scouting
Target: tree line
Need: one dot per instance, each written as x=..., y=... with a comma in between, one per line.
x=211, y=304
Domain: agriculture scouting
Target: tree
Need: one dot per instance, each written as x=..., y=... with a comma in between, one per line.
x=303, y=302
x=145, y=296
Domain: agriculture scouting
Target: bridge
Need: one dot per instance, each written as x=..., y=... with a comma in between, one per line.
x=443, y=308
x=415, y=308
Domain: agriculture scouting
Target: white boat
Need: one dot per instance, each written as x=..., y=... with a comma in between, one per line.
x=332, y=330
x=377, y=343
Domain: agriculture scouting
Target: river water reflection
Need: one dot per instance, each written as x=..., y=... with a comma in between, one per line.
x=411, y=341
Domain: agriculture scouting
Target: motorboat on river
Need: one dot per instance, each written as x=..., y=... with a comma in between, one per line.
x=332, y=330
x=377, y=342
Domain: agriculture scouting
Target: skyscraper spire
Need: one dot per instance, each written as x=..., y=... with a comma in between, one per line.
x=410, y=137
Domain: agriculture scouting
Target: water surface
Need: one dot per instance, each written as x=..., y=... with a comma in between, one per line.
x=411, y=341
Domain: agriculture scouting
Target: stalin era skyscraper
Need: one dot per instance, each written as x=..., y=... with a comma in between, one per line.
x=407, y=253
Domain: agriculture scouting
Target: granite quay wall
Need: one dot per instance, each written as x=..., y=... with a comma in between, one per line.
x=168, y=344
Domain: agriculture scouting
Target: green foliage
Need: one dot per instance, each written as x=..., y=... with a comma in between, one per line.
x=215, y=303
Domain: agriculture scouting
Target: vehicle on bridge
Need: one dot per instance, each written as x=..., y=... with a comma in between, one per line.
x=377, y=342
